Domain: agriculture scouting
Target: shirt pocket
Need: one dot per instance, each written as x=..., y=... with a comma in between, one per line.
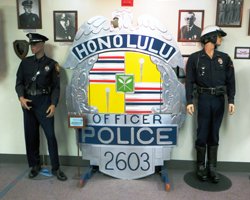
x=220, y=67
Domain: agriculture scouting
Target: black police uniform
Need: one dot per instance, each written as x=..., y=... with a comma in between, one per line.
x=29, y=21
x=213, y=77
x=39, y=81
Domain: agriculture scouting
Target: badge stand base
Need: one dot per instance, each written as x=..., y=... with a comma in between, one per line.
x=87, y=175
x=192, y=180
x=165, y=179
x=77, y=175
x=93, y=169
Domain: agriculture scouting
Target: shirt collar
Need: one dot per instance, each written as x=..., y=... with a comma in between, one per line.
x=216, y=54
x=40, y=59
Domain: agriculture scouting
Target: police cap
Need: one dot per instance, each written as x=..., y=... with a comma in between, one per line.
x=27, y=3
x=35, y=37
x=64, y=17
x=213, y=29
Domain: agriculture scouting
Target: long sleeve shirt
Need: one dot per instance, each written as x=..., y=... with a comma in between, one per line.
x=210, y=72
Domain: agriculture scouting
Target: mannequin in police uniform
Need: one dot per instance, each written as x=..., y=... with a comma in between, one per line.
x=212, y=72
x=28, y=20
x=38, y=88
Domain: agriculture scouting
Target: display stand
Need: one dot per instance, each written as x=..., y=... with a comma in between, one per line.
x=86, y=176
x=92, y=169
x=77, y=175
x=165, y=179
x=224, y=184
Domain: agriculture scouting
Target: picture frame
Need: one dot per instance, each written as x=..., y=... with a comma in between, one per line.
x=190, y=25
x=249, y=25
x=242, y=53
x=77, y=121
x=65, y=25
x=29, y=14
x=229, y=13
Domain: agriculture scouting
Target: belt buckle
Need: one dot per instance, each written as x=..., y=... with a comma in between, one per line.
x=213, y=91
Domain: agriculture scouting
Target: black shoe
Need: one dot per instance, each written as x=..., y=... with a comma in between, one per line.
x=201, y=173
x=34, y=171
x=213, y=175
x=59, y=174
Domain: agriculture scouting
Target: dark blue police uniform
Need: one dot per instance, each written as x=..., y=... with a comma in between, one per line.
x=213, y=77
x=38, y=80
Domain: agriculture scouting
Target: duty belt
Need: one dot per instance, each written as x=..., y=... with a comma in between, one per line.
x=37, y=92
x=220, y=90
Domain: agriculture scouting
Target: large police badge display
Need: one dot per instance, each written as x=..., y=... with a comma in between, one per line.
x=123, y=82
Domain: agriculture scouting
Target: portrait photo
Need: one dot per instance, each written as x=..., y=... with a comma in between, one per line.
x=29, y=14
x=65, y=26
x=229, y=13
x=249, y=25
x=190, y=25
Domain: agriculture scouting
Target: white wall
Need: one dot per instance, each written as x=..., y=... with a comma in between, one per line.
x=234, y=134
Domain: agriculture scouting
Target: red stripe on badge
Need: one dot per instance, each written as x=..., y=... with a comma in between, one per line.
x=107, y=69
x=138, y=112
x=102, y=81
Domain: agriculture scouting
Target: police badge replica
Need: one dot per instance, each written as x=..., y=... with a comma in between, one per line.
x=46, y=68
x=123, y=82
x=21, y=48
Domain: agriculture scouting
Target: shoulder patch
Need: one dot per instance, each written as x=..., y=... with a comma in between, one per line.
x=57, y=67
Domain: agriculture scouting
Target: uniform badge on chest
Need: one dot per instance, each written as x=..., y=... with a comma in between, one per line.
x=47, y=68
x=220, y=61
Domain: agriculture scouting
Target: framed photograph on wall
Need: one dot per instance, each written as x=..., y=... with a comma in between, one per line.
x=229, y=13
x=65, y=25
x=29, y=14
x=190, y=25
x=249, y=25
x=242, y=53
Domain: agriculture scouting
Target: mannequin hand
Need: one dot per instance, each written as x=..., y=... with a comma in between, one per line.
x=190, y=109
x=231, y=108
x=24, y=103
x=51, y=111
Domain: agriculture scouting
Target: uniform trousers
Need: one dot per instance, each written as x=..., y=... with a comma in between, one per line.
x=210, y=115
x=33, y=119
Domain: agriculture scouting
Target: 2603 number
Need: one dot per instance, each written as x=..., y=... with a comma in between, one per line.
x=123, y=161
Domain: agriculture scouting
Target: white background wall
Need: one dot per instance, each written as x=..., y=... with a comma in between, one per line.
x=234, y=133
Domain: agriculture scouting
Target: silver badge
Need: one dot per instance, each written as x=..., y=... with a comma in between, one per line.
x=47, y=68
x=220, y=61
x=125, y=153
